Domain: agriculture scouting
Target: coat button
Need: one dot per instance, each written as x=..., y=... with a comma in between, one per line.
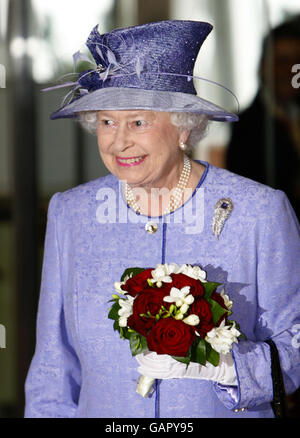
x=151, y=227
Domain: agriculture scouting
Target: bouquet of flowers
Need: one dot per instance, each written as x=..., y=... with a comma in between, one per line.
x=174, y=310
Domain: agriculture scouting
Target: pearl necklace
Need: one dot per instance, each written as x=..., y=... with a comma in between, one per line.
x=176, y=197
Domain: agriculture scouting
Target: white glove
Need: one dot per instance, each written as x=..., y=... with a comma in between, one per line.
x=163, y=366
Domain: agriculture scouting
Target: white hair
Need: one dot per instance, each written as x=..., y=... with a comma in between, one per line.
x=197, y=124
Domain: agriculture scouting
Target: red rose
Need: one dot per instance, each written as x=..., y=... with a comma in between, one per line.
x=148, y=301
x=182, y=280
x=201, y=308
x=137, y=283
x=169, y=336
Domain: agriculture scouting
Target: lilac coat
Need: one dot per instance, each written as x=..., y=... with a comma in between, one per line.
x=81, y=368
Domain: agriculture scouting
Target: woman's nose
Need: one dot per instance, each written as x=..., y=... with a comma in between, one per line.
x=123, y=138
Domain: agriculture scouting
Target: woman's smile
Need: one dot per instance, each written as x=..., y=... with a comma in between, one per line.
x=130, y=161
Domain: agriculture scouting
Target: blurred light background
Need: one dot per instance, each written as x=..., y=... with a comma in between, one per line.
x=39, y=157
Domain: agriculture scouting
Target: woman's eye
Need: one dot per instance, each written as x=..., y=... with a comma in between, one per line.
x=107, y=122
x=140, y=124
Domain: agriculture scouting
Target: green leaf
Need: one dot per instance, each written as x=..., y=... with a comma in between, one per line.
x=212, y=356
x=210, y=287
x=217, y=310
x=134, y=272
x=185, y=360
x=199, y=351
x=125, y=333
x=113, y=313
x=138, y=343
x=116, y=326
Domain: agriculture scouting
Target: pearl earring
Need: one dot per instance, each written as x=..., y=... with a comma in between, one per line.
x=182, y=146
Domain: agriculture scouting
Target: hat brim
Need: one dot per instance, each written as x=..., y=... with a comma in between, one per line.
x=115, y=99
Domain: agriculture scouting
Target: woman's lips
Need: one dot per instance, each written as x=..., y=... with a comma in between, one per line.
x=130, y=161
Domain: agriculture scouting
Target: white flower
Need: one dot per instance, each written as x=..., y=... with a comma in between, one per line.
x=221, y=338
x=194, y=272
x=180, y=296
x=118, y=287
x=185, y=307
x=192, y=320
x=162, y=273
x=125, y=311
x=123, y=321
x=228, y=303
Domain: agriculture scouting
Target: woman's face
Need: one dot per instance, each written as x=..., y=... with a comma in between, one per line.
x=141, y=147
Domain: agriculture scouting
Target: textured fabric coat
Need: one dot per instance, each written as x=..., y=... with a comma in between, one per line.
x=81, y=368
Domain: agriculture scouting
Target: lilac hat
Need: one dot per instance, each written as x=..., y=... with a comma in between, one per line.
x=147, y=67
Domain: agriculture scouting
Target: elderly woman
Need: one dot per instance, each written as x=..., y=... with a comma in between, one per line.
x=158, y=206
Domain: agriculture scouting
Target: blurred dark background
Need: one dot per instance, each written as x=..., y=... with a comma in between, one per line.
x=39, y=157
